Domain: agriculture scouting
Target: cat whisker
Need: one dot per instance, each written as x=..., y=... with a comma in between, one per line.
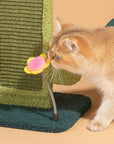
x=49, y=75
x=52, y=76
x=60, y=77
x=55, y=75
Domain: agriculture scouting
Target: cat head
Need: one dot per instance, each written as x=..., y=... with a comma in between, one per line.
x=69, y=50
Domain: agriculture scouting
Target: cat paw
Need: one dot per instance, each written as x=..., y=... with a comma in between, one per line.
x=96, y=126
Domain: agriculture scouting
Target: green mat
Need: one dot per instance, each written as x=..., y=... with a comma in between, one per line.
x=70, y=108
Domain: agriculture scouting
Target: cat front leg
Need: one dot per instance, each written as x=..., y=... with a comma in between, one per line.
x=104, y=116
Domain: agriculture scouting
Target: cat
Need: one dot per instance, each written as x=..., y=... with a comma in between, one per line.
x=88, y=52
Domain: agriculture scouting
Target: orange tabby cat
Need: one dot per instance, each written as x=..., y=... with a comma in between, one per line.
x=89, y=52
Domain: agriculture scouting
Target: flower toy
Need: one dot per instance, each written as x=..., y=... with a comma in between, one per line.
x=36, y=65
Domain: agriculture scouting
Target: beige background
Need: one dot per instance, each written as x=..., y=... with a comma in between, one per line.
x=86, y=13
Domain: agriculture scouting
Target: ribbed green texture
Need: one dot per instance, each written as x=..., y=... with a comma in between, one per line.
x=21, y=38
x=25, y=31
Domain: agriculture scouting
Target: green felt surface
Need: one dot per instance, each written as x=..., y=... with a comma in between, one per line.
x=70, y=108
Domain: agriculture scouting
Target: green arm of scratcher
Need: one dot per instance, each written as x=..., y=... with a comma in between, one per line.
x=25, y=27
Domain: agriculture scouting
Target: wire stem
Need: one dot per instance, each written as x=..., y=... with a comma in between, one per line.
x=55, y=114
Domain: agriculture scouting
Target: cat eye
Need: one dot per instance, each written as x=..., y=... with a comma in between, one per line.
x=57, y=57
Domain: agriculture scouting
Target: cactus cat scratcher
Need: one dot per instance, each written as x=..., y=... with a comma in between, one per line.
x=25, y=31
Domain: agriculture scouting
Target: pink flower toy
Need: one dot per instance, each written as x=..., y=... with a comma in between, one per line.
x=36, y=65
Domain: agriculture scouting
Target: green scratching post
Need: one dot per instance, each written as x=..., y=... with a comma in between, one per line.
x=25, y=31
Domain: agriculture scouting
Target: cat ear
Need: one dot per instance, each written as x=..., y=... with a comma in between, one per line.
x=58, y=25
x=61, y=25
x=71, y=45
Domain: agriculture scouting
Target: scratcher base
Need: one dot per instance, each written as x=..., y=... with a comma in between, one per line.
x=70, y=108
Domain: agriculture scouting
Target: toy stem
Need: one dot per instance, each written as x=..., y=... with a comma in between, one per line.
x=55, y=114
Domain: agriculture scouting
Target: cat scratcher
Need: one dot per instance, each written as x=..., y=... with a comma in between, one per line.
x=25, y=31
